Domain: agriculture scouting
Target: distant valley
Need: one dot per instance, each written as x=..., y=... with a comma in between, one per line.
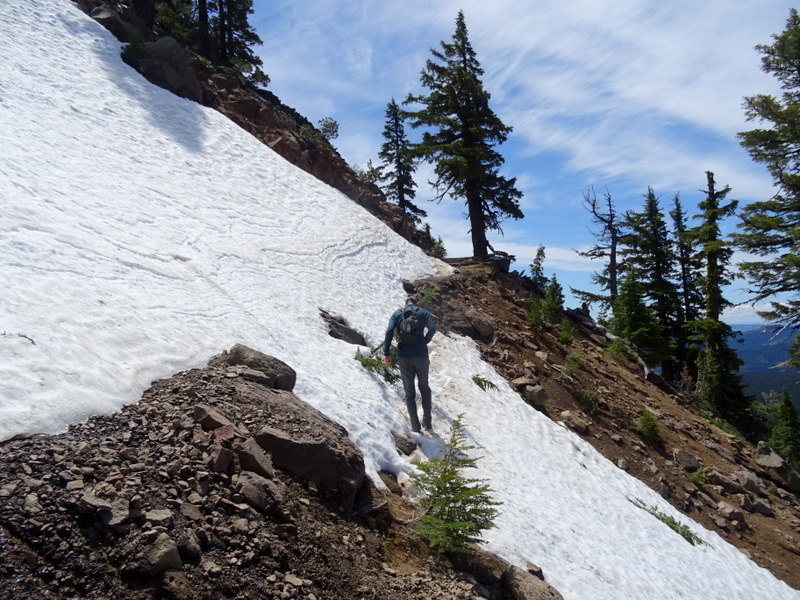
x=761, y=350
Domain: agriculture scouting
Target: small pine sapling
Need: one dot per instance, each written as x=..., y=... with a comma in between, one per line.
x=456, y=509
x=483, y=383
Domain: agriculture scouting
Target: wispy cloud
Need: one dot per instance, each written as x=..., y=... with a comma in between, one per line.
x=599, y=92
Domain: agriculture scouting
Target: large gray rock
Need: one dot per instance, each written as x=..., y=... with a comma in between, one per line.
x=686, y=459
x=166, y=64
x=259, y=492
x=483, y=324
x=305, y=442
x=340, y=330
x=522, y=585
x=163, y=555
x=277, y=373
x=776, y=468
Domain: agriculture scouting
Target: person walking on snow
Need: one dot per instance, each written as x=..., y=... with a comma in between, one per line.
x=411, y=323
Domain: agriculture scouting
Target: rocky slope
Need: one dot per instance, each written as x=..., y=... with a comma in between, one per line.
x=219, y=483
x=747, y=495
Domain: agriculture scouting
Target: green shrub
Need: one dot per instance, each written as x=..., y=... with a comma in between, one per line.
x=428, y=299
x=621, y=347
x=456, y=509
x=437, y=248
x=483, y=383
x=566, y=333
x=373, y=362
x=647, y=427
x=683, y=530
x=699, y=476
x=550, y=309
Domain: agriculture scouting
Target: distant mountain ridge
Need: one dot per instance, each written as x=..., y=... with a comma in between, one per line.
x=762, y=350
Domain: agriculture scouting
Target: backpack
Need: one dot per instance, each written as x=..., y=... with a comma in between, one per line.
x=411, y=327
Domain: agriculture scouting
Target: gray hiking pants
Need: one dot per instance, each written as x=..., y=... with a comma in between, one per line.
x=411, y=368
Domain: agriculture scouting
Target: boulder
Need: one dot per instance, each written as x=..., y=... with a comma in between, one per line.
x=751, y=482
x=259, y=492
x=686, y=459
x=163, y=555
x=522, y=585
x=340, y=330
x=536, y=396
x=253, y=458
x=483, y=324
x=575, y=422
x=277, y=373
x=308, y=444
x=210, y=419
x=166, y=64
x=113, y=21
x=776, y=468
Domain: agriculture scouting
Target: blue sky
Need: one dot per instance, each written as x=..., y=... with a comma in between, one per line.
x=614, y=95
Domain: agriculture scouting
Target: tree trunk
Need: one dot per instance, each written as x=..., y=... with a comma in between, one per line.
x=477, y=221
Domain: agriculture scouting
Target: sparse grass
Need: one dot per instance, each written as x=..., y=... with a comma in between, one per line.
x=572, y=363
x=590, y=400
x=681, y=529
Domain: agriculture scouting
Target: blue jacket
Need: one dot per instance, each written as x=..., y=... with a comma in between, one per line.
x=405, y=350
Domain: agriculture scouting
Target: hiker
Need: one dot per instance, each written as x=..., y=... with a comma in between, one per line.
x=410, y=324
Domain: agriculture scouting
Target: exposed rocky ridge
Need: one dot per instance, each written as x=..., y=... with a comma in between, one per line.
x=218, y=485
x=751, y=496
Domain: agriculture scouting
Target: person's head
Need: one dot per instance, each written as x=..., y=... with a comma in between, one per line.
x=411, y=300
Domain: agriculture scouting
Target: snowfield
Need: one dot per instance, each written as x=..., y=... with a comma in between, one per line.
x=141, y=234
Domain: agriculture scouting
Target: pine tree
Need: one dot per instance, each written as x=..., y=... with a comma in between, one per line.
x=785, y=438
x=719, y=381
x=537, y=268
x=604, y=215
x=456, y=508
x=691, y=298
x=636, y=322
x=398, y=163
x=234, y=37
x=461, y=134
x=218, y=30
x=648, y=251
x=770, y=229
x=177, y=17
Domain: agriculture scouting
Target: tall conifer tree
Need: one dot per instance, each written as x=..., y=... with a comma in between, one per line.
x=604, y=215
x=770, y=229
x=688, y=274
x=719, y=380
x=399, y=167
x=636, y=322
x=460, y=138
x=649, y=251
